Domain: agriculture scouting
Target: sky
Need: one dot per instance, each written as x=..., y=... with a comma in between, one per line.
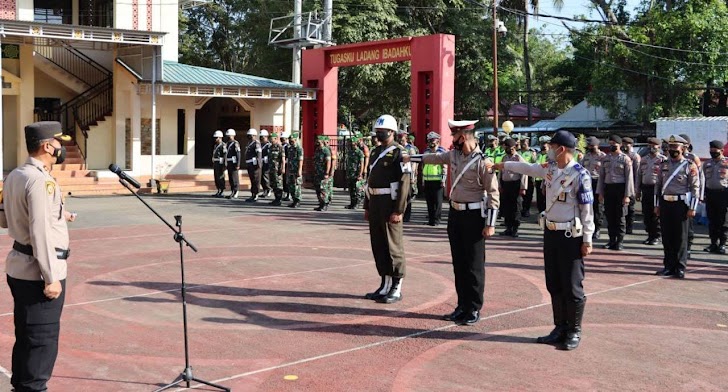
x=570, y=9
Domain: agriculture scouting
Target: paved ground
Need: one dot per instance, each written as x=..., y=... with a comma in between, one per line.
x=275, y=292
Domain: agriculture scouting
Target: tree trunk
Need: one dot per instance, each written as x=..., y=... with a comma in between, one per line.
x=527, y=65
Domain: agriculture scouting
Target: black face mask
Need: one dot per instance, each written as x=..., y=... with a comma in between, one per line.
x=714, y=154
x=625, y=149
x=433, y=145
x=458, y=145
x=512, y=151
x=653, y=150
x=674, y=153
x=382, y=136
x=613, y=148
x=60, y=154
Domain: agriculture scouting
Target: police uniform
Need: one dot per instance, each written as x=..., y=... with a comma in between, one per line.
x=233, y=163
x=354, y=173
x=636, y=158
x=474, y=202
x=676, y=192
x=32, y=210
x=541, y=158
x=512, y=185
x=294, y=159
x=645, y=186
x=529, y=156
x=219, y=152
x=410, y=149
x=265, y=181
x=434, y=178
x=592, y=162
x=321, y=159
x=568, y=223
x=715, y=194
x=286, y=146
x=276, y=169
x=616, y=182
x=386, y=194
x=253, y=163
x=495, y=153
x=688, y=154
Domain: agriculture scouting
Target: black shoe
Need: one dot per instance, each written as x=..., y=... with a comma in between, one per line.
x=665, y=272
x=608, y=245
x=680, y=274
x=287, y=198
x=556, y=336
x=656, y=241
x=276, y=202
x=558, y=308
x=506, y=232
x=629, y=231
x=252, y=199
x=295, y=204
x=376, y=294
x=574, y=315
x=617, y=246
x=597, y=234
x=319, y=208
x=720, y=250
x=514, y=233
x=394, y=294
x=456, y=315
x=470, y=318
x=349, y=207
x=325, y=207
x=647, y=241
x=711, y=249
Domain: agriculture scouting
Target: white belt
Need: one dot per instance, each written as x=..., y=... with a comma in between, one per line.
x=558, y=225
x=219, y=160
x=379, y=191
x=251, y=161
x=673, y=197
x=233, y=159
x=466, y=206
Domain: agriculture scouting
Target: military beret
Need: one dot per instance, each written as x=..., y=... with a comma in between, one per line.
x=686, y=137
x=274, y=134
x=321, y=137
x=564, y=138
x=592, y=141
x=676, y=139
x=411, y=137
x=295, y=135
x=509, y=143
x=354, y=139
x=654, y=140
x=627, y=140
x=716, y=144
x=46, y=130
x=615, y=138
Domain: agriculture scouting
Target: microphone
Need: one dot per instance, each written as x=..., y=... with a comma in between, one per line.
x=124, y=176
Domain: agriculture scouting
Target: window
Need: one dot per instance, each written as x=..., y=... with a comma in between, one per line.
x=99, y=13
x=53, y=11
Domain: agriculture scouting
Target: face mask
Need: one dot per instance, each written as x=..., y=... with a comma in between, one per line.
x=512, y=151
x=714, y=154
x=60, y=154
x=551, y=155
x=613, y=148
x=382, y=136
x=433, y=145
x=625, y=149
x=458, y=144
x=674, y=153
x=653, y=150
x=593, y=148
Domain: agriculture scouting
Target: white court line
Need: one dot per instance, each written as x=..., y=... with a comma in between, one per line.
x=412, y=335
x=5, y=372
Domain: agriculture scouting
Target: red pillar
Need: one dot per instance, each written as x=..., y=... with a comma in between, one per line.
x=319, y=116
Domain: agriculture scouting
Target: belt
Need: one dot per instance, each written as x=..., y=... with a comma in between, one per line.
x=62, y=254
x=466, y=206
x=673, y=197
x=558, y=225
x=218, y=160
x=379, y=191
x=231, y=159
x=250, y=160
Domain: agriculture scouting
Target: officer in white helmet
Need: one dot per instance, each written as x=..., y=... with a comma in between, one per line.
x=233, y=162
x=385, y=201
x=434, y=178
x=254, y=162
x=219, y=153
x=265, y=153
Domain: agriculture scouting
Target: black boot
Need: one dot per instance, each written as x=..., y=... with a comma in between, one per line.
x=382, y=290
x=558, y=334
x=320, y=207
x=574, y=314
x=295, y=203
x=276, y=202
x=394, y=294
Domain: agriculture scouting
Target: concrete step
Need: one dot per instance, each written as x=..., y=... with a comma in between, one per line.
x=69, y=166
x=108, y=187
x=64, y=182
x=70, y=173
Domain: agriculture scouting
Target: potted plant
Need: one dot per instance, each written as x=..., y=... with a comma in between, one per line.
x=163, y=183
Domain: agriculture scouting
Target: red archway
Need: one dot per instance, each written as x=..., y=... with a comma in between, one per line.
x=432, y=60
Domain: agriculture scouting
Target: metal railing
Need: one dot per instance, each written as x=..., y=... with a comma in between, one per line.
x=75, y=63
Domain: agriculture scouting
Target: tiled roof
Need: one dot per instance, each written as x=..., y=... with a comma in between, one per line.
x=176, y=73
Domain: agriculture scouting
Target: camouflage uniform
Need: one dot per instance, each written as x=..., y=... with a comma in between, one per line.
x=294, y=156
x=355, y=183
x=276, y=160
x=320, y=182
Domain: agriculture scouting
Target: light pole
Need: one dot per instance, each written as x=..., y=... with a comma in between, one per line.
x=498, y=28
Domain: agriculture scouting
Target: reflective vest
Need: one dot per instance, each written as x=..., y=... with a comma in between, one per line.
x=541, y=158
x=433, y=172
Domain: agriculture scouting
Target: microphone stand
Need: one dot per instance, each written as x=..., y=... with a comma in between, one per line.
x=186, y=375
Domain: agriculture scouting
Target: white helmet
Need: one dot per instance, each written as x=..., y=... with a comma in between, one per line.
x=263, y=133
x=286, y=134
x=230, y=132
x=217, y=133
x=252, y=131
x=432, y=136
x=386, y=122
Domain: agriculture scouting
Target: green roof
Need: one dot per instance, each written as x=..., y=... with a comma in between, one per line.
x=176, y=73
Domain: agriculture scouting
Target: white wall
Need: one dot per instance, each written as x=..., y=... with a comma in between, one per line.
x=48, y=87
x=269, y=112
x=24, y=10
x=100, y=145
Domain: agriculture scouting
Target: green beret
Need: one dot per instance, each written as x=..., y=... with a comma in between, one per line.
x=274, y=134
x=295, y=135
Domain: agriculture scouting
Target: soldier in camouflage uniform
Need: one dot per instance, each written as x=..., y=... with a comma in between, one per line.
x=403, y=140
x=294, y=159
x=355, y=173
x=321, y=167
x=332, y=169
x=276, y=168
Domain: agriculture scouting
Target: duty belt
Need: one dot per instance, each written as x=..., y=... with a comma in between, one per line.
x=61, y=254
x=673, y=197
x=218, y=160
x=379, y=191
x=558, y=225
x=466, y=206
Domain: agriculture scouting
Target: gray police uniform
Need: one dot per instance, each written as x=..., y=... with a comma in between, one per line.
x=715, y=194
x=645, y=185
x=592, y=162
x=629, y=219
x=691, y=230
x=253, y=162
x=512, y=184
x=615, y=183
x=676, y=191
x=219, y=153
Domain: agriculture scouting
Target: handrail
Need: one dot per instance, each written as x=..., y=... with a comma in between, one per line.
x=74, y=63
x=89, y=59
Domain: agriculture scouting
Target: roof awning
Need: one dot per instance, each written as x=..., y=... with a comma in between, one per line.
x=34, y=33
x=556, y=125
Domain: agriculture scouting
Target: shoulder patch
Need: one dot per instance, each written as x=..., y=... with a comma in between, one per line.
x=50, y=187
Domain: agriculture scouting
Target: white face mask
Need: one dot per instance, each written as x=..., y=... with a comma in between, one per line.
x=552, y=156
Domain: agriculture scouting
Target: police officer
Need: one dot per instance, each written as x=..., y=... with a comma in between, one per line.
x=410, y=149
x=385, y=201
x=473, y=210
x=286, y=146
x=276, y=168
x=568, y=225
x=513, y=187
x=264, y=156
x=355, y=173
x=253, y=163
x=616, y=187
x=294, y=171
x=219, y=152
x=33, y=211
x=364, y=147
x=688, y=154
x=628, y=149
x=233, y=162
x=541, y=158
x=715, y=194
x=493, y=150
x=645, y=190
x=676, y=198
x=529, y=156
x=322, y=168
x=434, y=178
x=593, y=163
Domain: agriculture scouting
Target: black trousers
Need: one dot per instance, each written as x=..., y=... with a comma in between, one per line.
x=540, y=195
x=674, y=219
x=629, y=219
x=598, y=207
x=467, y=246
x=528, y=199
x=233, y=177
x=716, y=205
x=511, y=203
x=254, y=173
x=37, y=326
x=615, y=210
x=265, y=179
x=564, y=266
x=652, y=221
x=386, y=238
x=434, y=193
x=219, y=173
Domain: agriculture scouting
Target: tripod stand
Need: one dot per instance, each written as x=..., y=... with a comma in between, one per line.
x=186, y=376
